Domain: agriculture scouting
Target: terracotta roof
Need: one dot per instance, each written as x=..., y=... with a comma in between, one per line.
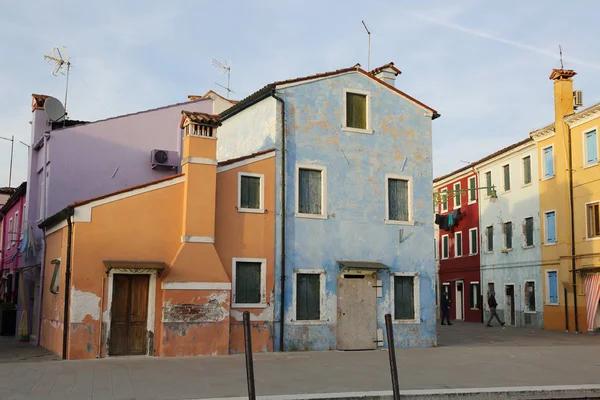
x=484, y=159
x=7, y=190
x=207, y=94
x=234, y=160
x=16, y=194
x=389, y=65
x=200, y=118
x=562, y=73
x=268, y=89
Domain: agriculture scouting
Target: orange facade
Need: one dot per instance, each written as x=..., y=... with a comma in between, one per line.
x=183, y=234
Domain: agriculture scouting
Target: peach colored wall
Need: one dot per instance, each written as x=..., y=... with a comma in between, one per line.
x=248, y=235
x=51, y=335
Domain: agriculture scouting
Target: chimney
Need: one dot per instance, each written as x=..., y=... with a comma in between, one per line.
x=197, y=259
x=387, y=73
x=563, y=95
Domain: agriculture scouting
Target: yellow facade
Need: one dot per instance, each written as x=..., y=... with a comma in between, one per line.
x=566, y=138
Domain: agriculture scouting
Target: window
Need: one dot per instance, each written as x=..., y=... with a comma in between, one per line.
x=552, y=286
x=446, y=290
x=406, y=298
x=251, y=194
x=472, y=190
x=55, y=282
x=550, y=217
x=508, y=235
x=23, y=225
x=526, y=170
x=308, y=296
x=357, y=110
x=506, y=175
x=488, y=182
x=593, y=220
x=249, y=287
x=528, y=231
x=398, y=199
x=435, y=248
x=591, y=148
x=529, y=296
x=16, y=228
x=310, y=191
x=473, y=241
x=548, y=162
x=490, y=288
x=489, y=235
x=9, y=234
x=458, y=244
x=475, y=293
x=457, y=195
x=444, y=196
x=444, y=247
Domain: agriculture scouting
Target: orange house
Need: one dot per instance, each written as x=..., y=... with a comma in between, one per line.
x=166, y=268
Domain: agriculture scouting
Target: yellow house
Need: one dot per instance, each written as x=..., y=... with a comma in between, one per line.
x=569, y=210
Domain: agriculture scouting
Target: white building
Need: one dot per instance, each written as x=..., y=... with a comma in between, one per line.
x=511, y=255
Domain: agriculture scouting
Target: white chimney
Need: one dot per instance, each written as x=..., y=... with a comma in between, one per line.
x=387, y=73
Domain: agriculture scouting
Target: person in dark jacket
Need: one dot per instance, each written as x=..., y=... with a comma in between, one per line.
x=445, y=309
x=492, y=303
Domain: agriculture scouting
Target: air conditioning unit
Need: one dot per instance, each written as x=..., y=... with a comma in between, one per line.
x=164, y=159
x=578, y=98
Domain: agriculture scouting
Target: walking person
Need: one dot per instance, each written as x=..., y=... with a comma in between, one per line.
x=446, y=309
x=493, y=304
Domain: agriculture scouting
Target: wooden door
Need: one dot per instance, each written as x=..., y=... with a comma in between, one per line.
x=357, y=312
x=129, y=315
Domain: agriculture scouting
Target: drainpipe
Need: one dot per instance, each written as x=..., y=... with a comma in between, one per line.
x=67, y=283
x=283, y=216
x=572, y=211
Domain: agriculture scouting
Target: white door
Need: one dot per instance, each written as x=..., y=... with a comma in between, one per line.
x=357, y=312
x=460, y=300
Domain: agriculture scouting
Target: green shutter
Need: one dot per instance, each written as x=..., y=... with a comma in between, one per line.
x=247, y=283
x=308, y=297
x=398, y=200
x=527, y=170
x=506, y=170
x=250, y=192
x=529, y=231
x=508, y=235
x=309, y=188
x=404, y=303
x=356, y=111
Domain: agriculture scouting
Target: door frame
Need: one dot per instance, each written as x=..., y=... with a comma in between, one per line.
x=462, y=300
x=151, y=305
x=513, y=311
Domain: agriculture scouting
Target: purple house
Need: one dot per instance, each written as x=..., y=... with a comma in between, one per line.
x=78, y=160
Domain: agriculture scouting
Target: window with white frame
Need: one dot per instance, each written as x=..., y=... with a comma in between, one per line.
x=249, y=282
x=405, y=287
x=472, y=184
x=458, y=244
x=590, y=148
x=489, y=236
x=548, y=162
x=488, y=183
x=550, y=227
x=308, y=289
x=444, y=196
x=528, y=232
x=398, y=199
x=457, y=195
x=593, y=220
x=16, y=228
x=9, y=234
x=506, y=175
x=552, y=287
x=356, y=110
x=23, y=223
x=529, y=296
x=473, y=241
x=526, y=170
x=508, y=235
x=251, y=192
x=445, y=247
x=474, y=294
x=310, y=191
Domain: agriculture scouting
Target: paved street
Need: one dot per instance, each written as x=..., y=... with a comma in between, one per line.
x=468, y=356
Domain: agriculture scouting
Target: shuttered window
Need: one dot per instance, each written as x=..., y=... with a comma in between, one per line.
x=529, y=231
x=247, y=282
x=404, y=297
x=473, y=241
x=548, y=162
x=552, y=287
x=250, y=192
x=488, y=183
x=398, y=200
x=310, y=191
x=530, y=296
x=508, y=235
x=489, y=233
x=472, y=189
x=458, y=251
x=444, y=197
x=474, y=293
x=526, y=170
x=591, y=148
x=308, y=297
x=506, y=174
x=445, y=247
x=550, y=227
x=356, y=110
x=593, y=220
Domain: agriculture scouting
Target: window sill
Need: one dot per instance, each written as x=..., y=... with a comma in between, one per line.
x=253, y=305
x=471, y=202
x=358, y=130
x=393, y=222
x=552, y=304
x=310, y=216
x=406, y=322
x=458, y=256
x=529, y=247
x=548, y=178
x=251, y=210
x=446, y=258
x=530, y=312
x=488, y=252
x=505, y=191
x=550, y=244
x=473, y=254
x=524, y=185
x=309, y=322
x=590, y=165
x=457, y=208
x=507, y=250
x=592, y=239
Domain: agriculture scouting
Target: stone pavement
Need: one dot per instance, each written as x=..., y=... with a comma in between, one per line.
x=12, y=351
x=468, y=356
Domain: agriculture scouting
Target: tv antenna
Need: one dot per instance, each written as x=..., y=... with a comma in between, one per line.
x=61, y=66
x=225, y=69
x=369, y=56
x=561, y=60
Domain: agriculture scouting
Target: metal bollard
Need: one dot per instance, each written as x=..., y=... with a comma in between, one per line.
x=249, y=363
x=392, y=353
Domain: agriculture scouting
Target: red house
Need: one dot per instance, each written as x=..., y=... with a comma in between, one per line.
x=457, y=216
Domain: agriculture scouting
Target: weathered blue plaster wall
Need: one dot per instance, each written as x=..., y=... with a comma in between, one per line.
x=355, y=229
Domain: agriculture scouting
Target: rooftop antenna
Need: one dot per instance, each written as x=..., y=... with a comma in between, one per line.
x=225, y=68
x=61, y=66
x=369, y=56
x=561, y=59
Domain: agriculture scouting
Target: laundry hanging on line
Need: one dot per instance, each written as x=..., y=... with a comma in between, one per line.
x=449, y=221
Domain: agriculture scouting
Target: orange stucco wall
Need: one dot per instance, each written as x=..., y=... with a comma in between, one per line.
x=248, y=235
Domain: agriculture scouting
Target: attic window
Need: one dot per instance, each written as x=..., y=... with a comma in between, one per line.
x=356, y=111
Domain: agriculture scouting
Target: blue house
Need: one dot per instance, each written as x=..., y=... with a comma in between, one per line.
x=354, y=229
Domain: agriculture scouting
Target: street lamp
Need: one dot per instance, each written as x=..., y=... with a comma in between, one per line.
x=12, y=147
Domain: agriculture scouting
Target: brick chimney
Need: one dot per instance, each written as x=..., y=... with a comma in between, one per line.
x=387, y=73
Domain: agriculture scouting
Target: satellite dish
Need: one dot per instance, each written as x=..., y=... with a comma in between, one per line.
x=54, y=109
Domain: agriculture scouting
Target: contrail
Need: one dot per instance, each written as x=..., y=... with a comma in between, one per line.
x=512, y=43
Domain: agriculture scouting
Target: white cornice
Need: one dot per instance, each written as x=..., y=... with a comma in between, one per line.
x=543, y=133
x=455, y=177
x=583, y=116
x=516, y=152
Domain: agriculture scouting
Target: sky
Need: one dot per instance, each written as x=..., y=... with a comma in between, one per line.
x=483, y=65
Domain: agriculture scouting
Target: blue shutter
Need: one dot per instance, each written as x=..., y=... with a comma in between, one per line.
x=553, y=286
x=591, y=146
x=551, y=227
x=548, y=162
